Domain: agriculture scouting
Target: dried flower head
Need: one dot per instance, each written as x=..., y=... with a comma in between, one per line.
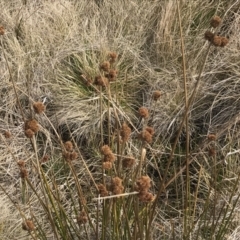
x=112, y=56
x=212, y=152
x=109, y=158
x=39, y=107
x=128, y=162
x=107, y=165
x=111, y=75
x=7, y=134
x=32, y=124
x=105, y=66
x=150, y=130
x=105, y=150
x=143, y=184
x=156, y=95
x=145, y=196
x=28, y=225
x=125, y=132
x=211, y=137
x=143, y=112
x=145, y=136
x=101, y=81
x=217, y=41
x=29, y=133
x=45, y=158
x=116, y=186
x=23, y=172
x=208, y=35
x=73, y=155
x=21, y=163
x=68, y=146
x=82, y=218
x=102, y=190
x=215, y=21
x=2, y=30
x=224, y=41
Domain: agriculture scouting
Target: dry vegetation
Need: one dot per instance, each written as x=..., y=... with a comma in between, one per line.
x=156, y=124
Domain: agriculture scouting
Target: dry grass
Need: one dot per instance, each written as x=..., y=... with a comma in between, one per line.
x=52, y=47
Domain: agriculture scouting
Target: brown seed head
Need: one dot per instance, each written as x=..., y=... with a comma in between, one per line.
x=39, y=107
x=145, y=136
x=112, y=56
x=23, y=172
x=7, y=134
x=212, y=152
x=102, y=190
x=150, y=130
x=107, y=165
x=224, y=41
x=146, y=196
x=211, y=137
x=116, y=186
x=21, y=163
x=101, y=81
x=2, y=30
x=217, y=41
x=125, y=132
x=82, y=218
x=109, y=158
x=73, y=155
x=29, y=133
x=128, y=162
x=105, y=66
x=105, y=150
x=215, y=21
x=143, y=112
x=32, y=124
x=111, y=75
x=209, y=36
x=28, y=225
x=156, y=95
x=68, y=146
x=143, y=184
x=45, y=159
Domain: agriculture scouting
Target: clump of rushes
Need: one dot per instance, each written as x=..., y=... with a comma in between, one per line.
x=108, y=157
x=215, y=21
x=2, y=30
x=147, y=134
x=38, y=107
x=31, y=127
x=125, y=132
x=105, y=66
x=116, y=186
x=69, y=154
x=156, y=95
x=143, y=185
x=101, y=81
x=143, y=112
x=128, y=162
x=82, y=218
x=102, y=190
x=28, y=225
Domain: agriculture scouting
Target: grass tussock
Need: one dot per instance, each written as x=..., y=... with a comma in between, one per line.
x=119, y=120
